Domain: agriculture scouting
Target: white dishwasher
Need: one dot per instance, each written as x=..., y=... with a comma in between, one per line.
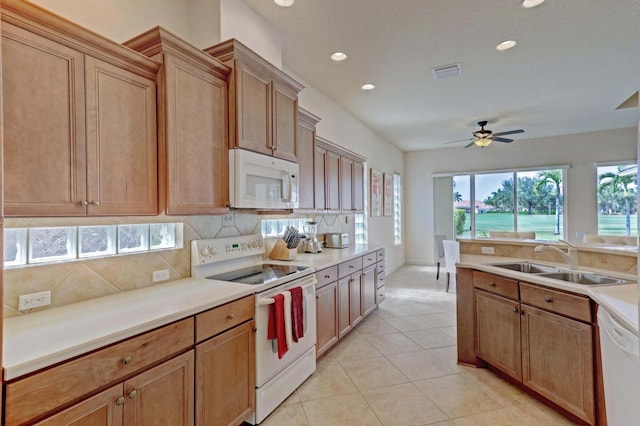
x=620, y=369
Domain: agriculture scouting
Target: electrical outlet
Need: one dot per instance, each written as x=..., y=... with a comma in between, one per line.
x=34, y=300
x=487, y=250
x=162, y=275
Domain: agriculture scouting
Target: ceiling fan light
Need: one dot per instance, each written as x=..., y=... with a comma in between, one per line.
x=284, y=3
x=528, y=4
x=482, y=142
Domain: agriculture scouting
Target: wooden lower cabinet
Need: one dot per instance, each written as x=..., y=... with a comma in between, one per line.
x=327, y=317
x=162, y=395
x=557, y=360
x=368, y=287
x=225, y=377
x=344, y=306
x=498, y=332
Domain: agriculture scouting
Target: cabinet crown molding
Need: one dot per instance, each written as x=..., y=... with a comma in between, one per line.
x=331, y=146
x=49, y=25
x=233, y=50
x=158, y=40
x=307, y=118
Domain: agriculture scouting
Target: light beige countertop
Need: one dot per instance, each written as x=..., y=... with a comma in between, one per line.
x=621, y=300
x=37, y=340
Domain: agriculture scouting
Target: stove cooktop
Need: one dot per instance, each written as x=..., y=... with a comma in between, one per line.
x=258, y=274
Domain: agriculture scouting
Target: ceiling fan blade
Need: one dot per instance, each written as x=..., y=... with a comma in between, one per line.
x=471, y=144
x=459, y=140
x=501, y=139
x=510, y=132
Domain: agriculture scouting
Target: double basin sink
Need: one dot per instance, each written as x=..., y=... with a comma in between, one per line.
x=575, y=277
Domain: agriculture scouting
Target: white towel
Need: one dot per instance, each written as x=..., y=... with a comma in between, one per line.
x=288, y=331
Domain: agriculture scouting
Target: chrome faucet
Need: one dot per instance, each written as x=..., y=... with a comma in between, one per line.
x=571, y=257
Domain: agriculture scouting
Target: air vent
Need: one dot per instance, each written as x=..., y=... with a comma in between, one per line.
x=446, y=71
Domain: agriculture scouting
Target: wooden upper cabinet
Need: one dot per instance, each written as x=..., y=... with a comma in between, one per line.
x=193, y=114
x=263, y=102
x=357, y=186
x=346, y=182
x=332, y=180
x=121, y=141
x=319, y=173
x=305, y=147
x=79, y=132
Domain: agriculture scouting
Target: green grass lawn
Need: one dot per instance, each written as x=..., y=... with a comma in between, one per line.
x=543, y=225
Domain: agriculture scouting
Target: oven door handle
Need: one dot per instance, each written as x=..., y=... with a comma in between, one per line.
x=269, y=300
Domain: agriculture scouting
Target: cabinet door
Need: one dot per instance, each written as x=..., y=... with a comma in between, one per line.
x=197, y=158
x=285, y=113
x=357, y=186
x=332, y=179
x=320, y=173
x=497, y=337
x=305, y=139
x=356, y=299
x=346, y=183
x=44, y=126
x=225, y=377
x=162, y=395
x=252, y=96
x=557, y=360
x=103, y=409
x=344, y=306
x=368, y=280
x=327, y=317
x=122, y=176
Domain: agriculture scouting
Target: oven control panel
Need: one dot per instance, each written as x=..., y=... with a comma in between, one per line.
x=218, y=249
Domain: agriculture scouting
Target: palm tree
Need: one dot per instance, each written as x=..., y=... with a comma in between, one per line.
x=554, y=178
x=621, y=186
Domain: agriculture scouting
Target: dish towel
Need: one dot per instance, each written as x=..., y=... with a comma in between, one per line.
x=297, y=321
x=287, y=318
x=276, y=324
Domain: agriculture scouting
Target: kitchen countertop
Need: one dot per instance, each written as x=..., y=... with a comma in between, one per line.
x=620, y=300
x=37, y=340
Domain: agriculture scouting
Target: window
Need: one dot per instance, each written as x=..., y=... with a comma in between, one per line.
x=276, y=227
x=617, y=188
x=24, y=246
x=360, y=221
x=523, y=201
x=397, y=209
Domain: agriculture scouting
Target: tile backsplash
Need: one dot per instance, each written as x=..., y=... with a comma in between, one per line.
x=77, y=281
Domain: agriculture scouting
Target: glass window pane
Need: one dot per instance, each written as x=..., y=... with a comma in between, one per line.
x=162, y=235
x=540, y=203
x=15, y=246
x=133, y=238
x=617, y=188
x=96, y=241
x=494, y=197
x=462, y=206
x=52, y=244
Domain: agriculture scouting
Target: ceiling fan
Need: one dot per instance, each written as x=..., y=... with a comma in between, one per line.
x=484, y=137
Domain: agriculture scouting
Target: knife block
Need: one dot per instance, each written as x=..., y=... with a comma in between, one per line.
x=281, y=252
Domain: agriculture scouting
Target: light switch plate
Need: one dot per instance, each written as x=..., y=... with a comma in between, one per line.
x=162, y=275
x=487, y=250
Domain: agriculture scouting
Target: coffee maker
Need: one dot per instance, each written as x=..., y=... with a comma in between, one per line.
x=311, y=244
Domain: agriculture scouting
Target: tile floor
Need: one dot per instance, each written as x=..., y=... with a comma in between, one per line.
x=398, y=367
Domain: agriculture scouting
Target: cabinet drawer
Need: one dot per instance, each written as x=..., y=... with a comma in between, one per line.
x=570, y=305
x=380, y=294
x=380, y=255
x=221, y=318
x=380, y=278
x=326, y=276
x=369, y=259
x=348, y=268
x=495, y=284
x=380, y=266
x=43, y=392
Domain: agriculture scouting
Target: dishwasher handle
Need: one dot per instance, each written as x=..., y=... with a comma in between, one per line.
x=623, y=338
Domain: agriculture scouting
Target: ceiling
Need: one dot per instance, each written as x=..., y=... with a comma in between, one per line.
x=575, y=62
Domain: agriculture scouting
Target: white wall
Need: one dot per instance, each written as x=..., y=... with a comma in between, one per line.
x=579, y=151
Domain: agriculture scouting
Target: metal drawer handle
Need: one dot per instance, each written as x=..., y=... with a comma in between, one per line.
x=120, y=401
x=133, y=394
x=548, y=300
x=95, y=203
x=126, y=360
x=327, y=276
x=230, y=316
x=515, y=309
x=350, y=266
x=492, y=284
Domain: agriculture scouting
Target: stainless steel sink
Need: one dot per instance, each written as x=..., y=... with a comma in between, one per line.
x=584, y=278
x=526, y=267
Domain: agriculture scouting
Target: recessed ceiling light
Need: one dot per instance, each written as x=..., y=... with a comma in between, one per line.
x=338, y=56
x=531, y=3
x=284, y=3
x=368, y=86
x=506, y=45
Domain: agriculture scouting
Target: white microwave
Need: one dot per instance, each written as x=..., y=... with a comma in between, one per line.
x=258, y=181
